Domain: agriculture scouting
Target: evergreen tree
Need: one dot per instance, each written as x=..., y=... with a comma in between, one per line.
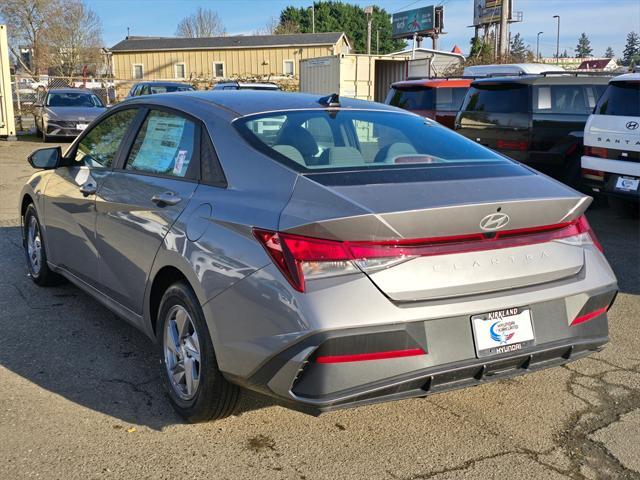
x=583, y=49
x=631, y=50
x=609, y=53
x=518, y=49
x=342, y=17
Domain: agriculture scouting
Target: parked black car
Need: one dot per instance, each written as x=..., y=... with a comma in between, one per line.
x=149, y=88
x=535, y=119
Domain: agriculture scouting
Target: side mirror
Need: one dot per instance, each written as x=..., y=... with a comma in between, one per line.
x=46, y=158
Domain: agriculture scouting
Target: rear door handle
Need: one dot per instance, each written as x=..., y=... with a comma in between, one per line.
x=88, y=189
x=166, y=198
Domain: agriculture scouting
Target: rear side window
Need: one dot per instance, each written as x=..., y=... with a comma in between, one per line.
x=497, y=98
x=419, y=98
x=164, y=145
x=571, y=99
x=449, y=98
x=621, y=99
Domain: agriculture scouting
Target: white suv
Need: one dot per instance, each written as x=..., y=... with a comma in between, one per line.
x=611, y=160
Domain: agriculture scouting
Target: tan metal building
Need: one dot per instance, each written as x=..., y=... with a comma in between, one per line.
x=164, y=58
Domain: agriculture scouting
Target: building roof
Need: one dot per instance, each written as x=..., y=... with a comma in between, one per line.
x=595, y=64
x=138, y=44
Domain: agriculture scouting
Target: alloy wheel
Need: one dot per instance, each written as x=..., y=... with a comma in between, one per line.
x=182, y=353
x=34, y=246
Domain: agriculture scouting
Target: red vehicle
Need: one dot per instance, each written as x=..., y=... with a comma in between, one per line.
x=435, y=98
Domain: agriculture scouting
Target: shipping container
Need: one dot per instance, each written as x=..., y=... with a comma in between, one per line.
x=7, y=122
x=366, y=77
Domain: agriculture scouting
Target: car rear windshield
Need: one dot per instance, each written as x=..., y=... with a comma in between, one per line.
x=497, y=98
x=72, y=99
x=620, y=98
x=425, y=98
x=330, y=140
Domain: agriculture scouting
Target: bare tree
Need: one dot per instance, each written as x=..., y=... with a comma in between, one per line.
x=269, y=28
x=75, y=38
x=203, y=23
x=28, y=22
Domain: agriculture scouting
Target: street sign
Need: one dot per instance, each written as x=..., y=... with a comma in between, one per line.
x=419, y=21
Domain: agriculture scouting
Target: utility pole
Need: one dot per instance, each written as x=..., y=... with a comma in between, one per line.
x=313, y=17
x=558, y=40
x=504, y=29
x=368, y=11
x=538, y=46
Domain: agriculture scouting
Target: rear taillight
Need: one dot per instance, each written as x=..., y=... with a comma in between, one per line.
x=300, y=258
x=513, y=145
x=599, y=152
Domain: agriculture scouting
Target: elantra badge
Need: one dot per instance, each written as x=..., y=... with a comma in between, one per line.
x=494, y=221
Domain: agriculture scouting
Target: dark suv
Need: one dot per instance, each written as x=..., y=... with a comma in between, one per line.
x=535, y=119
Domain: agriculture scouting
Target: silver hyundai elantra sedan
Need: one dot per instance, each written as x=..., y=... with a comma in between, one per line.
x=325, y=252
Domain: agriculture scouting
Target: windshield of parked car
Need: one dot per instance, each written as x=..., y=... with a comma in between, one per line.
x=73, y=99
x=312, y=140
x=620, y=98
x=497, y=98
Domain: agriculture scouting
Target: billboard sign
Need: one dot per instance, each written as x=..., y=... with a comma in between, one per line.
x=486, y=12
x=419, y=20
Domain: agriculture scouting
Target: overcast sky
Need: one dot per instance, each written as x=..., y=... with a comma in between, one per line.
x=605, y=22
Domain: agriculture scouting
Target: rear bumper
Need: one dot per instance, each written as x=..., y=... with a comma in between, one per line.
x=612, y=170
x=296, y=379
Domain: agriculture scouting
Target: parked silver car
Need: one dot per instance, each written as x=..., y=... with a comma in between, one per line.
x=65, y=112
x=326, y=252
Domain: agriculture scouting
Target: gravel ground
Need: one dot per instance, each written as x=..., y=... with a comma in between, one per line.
x=80, y=397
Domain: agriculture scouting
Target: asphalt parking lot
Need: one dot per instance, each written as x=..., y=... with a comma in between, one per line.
x=80, y=397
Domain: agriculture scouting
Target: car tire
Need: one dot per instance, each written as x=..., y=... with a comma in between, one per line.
x=35, y=252
x=187, y=356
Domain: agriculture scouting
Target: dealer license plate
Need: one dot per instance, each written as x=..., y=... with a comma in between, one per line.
x=502, y=331
x=627, y=184
x=81, y=126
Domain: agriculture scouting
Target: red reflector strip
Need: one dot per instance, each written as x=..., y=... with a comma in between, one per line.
x=588, y=316
x=359, y=357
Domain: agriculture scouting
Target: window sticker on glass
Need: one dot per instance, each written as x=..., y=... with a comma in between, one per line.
x=164, y=145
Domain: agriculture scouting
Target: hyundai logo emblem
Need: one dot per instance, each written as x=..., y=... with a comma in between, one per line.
x=632, y=125
x=494, y=221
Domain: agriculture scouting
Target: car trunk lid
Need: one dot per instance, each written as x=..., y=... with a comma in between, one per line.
x=432, y=213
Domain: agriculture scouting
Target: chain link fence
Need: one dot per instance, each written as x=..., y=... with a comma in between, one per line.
x=29, y=92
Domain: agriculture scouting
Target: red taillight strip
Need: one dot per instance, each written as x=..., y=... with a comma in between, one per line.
x=288, y=251
x=588, y=316
x=359, y=357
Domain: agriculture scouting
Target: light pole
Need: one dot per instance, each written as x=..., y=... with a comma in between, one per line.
x=538, y=46
x=558, y=40
x=368, y=12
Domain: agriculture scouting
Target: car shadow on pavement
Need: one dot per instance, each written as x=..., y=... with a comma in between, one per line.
x=62, y=340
